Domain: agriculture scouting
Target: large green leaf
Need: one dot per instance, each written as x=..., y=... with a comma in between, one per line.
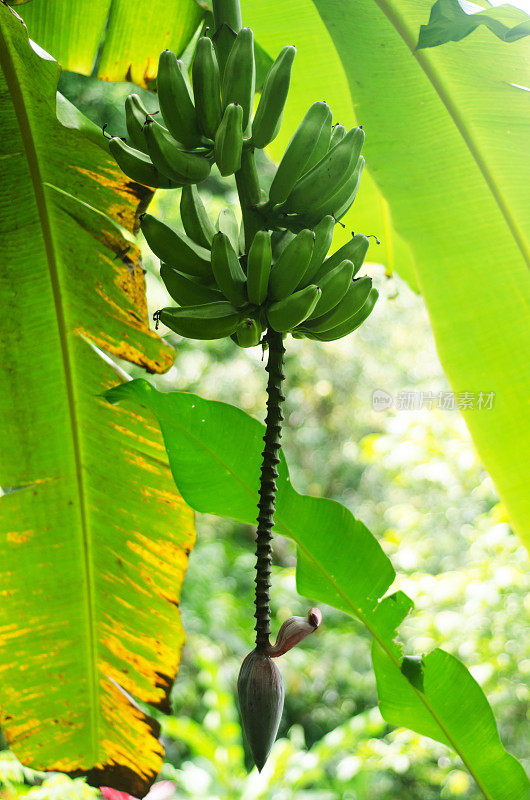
x=214, y=452
x=93, y=537
x=447, y=146
x=133, y=33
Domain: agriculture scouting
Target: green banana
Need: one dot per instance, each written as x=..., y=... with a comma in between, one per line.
x=175, y=102
x=334, y=286
x=194, y=217
x=259, y=260
x=227, y=271
x=308, y=145
x=288, y=270
x=352, y=301
x=355, y=250
x=321, y=183
x=338, y=132
x=207, y=87
x=136, y=117
x=248, y=333
x=342, y=204
x=336, y=205
x=323, y=238
x=170, y=159
x=286, y=314
x=227, y=223
x=268, y=116
x=239, y=79
x=229, y=140
x=185, y=291
x=210, y=321
x=353, y=322
x=138, y=166
x=175, y=249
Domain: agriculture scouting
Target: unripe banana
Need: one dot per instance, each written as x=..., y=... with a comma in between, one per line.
x=355, y=250
x=239, y=79
x=138, y=166
x=229, y=140
x=308, y=145
x=338, y=132
x=288, y=270
x=135, y=119
x=286, y=314
x=227, y=271
x=185, y=291
x=248, y=333
x=323, y=238
x=210, y=321
x=261, y=694
x=227, y=224
x=175, y=249
x=195, y=218
x=259, y=260
x=343, y=203
x=354, y=299
x=207, y=87
x=321, y=183
x=268, y=116
x=168, y=157
x=175, y=102
x=335, y=204
x=354, y=322
x=334, y=286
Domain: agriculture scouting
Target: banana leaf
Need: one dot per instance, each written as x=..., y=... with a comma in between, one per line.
x=131, y=34
x=447, y=149
x=450, y=22
x=339, y=562
x=94, y=539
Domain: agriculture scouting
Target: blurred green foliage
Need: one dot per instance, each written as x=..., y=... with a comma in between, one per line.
x=413, y=477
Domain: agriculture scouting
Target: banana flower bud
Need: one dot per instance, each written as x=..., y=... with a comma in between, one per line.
x=261, y=693
x=260, y=686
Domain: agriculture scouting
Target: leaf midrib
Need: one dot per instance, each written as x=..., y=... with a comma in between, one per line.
x=388, y=650
x=430, y=71
x=28, y=139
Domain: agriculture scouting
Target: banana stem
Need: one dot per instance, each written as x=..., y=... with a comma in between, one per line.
x=227, y=12
x=248, y=189
x=267, y=490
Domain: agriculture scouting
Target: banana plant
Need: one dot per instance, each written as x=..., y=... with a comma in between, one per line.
x=94, y=538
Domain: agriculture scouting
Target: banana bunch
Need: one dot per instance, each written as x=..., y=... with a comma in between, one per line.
x=223, y=292
x=319, y=174
x=209, y=123
x=284, y=279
